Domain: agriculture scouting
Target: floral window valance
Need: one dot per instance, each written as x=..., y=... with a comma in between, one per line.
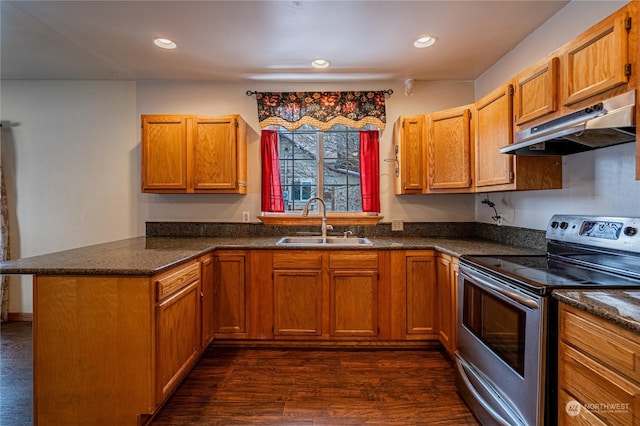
x=322, y=110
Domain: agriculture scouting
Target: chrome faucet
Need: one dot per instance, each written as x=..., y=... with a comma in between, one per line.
x=305, y=213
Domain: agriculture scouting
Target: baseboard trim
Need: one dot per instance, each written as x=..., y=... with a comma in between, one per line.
x=20, y=316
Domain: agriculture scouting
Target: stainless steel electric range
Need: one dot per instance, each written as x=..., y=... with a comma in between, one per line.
x=506, y=362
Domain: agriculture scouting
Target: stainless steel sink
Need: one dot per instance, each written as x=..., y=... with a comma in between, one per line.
x=320, y=241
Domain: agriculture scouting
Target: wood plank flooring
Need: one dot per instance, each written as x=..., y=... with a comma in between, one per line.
x=266, y=386
x=16, y=374
x=240, y=386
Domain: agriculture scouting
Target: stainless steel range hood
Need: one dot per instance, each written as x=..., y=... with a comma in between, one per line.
x=607, y=123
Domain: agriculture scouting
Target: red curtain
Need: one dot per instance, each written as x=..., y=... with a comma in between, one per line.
x=369, y=171
x=271, y=189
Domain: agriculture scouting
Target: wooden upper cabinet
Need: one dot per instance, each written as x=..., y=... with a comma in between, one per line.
x=194, y=154
x=409, y=146
x=597, y=60
x=536, y=91
x=449, y=149
x=215, y=155
x=494, y=129
x=164, y=153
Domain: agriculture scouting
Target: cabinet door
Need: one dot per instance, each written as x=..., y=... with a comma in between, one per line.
x=449, y=149
x=164, y=152
x=494, y=129
x=597, y=60
x=178, y=338
x=409, y=147
x=536, y=91
x=297, y=301
x=421, y=295
x=214, y=154
x=353, y=303
x=230, y=294
x=207, y=299
x=447, y=273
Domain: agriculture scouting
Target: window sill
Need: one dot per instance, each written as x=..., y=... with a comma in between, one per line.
x=315, y=219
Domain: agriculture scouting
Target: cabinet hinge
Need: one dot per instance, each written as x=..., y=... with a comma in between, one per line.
x=627, y=70
x=627, y=23
x=403, y=124
x=511, y=90
x=511, y=176
x=470, y=115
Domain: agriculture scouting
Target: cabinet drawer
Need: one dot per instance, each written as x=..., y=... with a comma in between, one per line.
x=297, y=260
x=358, y=260
x=571, y=412
x=168, y=284
x=606, y=342
x=608, y=395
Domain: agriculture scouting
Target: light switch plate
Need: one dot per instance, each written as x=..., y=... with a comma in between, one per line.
x=246, y=217
x=397, y=225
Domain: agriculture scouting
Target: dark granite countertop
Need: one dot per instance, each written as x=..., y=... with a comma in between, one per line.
x=147, y=256
x=621, y=307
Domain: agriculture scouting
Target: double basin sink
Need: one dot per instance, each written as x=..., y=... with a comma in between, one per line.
x=323, y=241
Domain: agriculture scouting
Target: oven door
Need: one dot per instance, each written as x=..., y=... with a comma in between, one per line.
x=501, y=344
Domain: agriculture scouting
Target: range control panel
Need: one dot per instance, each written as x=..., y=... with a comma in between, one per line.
x=618, y=233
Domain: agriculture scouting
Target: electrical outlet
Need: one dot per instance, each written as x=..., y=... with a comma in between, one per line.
x=246, y=217
x=397, y=225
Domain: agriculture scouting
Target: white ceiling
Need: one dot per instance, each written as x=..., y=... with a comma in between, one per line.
x=261, y=40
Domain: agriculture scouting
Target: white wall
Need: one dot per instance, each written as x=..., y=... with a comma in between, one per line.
x=596, y=182
x=70, y=154
x=224, y=98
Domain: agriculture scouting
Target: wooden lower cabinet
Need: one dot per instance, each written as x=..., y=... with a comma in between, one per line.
x=207, y=297
x=325, y=295
x=297, y=294
x=353, y=294
x=230, y=294
x=598, y=371
x=421, y=294
x=354, y=303
x=178, y=333
x=447, y=278
x=110, y=349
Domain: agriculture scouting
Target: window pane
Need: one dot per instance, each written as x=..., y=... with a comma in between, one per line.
x=340, y=167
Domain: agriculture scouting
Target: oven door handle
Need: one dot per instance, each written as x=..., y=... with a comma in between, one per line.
x=512, y=295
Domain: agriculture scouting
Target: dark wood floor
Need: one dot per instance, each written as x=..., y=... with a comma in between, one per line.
x=245, y=386
x=16, y=374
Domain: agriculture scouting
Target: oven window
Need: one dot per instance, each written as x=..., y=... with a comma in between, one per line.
x=500, y=325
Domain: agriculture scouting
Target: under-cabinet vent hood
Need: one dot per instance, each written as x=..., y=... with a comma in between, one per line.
x=606, y=123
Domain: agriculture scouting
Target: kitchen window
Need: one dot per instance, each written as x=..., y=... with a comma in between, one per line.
x=320, y=163
x=328, y=164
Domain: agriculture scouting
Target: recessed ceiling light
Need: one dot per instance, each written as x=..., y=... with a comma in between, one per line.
x=425, y=41
x=165, y=43
x=320, y=63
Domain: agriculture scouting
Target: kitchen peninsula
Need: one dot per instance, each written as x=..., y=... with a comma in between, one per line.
x=117, y=326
